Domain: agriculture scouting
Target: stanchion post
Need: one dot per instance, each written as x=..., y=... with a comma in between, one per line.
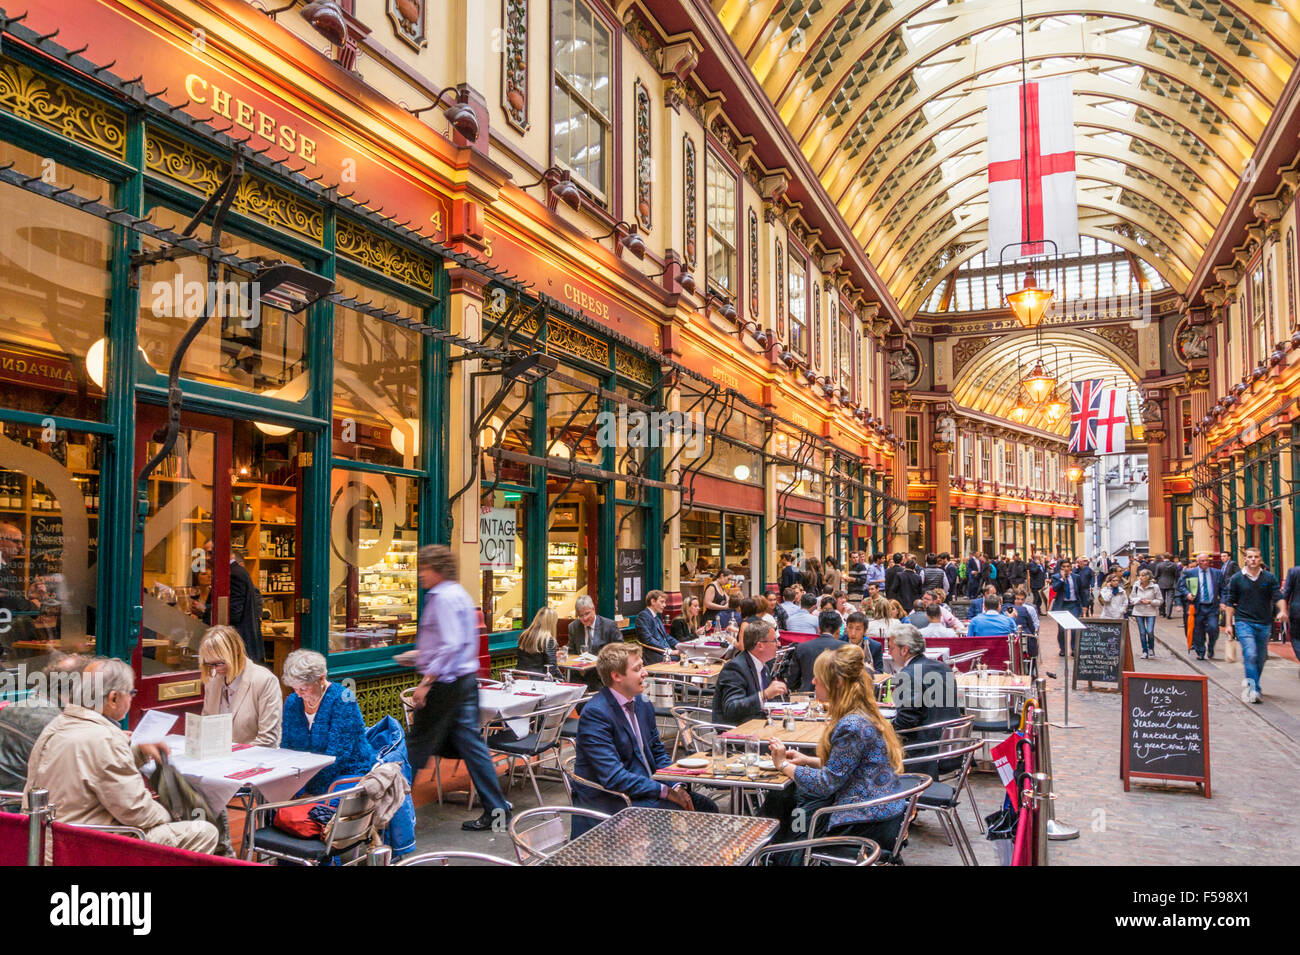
x=1040, y=795
x=1065, y=680
x=38, y=808
x=1056, y=830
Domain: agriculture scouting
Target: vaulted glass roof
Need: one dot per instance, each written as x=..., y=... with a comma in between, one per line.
x=887, y=100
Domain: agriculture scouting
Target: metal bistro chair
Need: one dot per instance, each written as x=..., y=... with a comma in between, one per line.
x=569, y=731
x=543, y=737
x=130, y=832
x=864, y=852
x=571, y=779
x=686, y=717
x=537, y=833
x=345, y=837
x=446, y=858
x=913, y=784
x=943, y=798
x=959, y=728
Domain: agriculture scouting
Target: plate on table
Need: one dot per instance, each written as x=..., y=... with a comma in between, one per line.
x=766, y=764
x=693, y=762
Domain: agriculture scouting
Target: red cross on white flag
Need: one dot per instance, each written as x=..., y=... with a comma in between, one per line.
x=1032, y=192
x=1112, y=421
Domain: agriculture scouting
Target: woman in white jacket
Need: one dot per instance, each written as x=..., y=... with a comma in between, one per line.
x=1146, y=598
x=1114, y=599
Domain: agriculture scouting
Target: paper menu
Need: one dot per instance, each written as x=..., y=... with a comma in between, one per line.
x=208, y=737
x=153, y=726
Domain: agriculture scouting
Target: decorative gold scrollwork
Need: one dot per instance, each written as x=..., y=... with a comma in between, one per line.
x=69, y=112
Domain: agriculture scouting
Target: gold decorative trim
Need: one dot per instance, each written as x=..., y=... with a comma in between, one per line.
x=31, y=96
x=194, y=168
x=566, y=338
x=633, y=366
x=378, y=253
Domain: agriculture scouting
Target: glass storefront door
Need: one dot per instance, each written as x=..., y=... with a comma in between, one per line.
x=572, y=544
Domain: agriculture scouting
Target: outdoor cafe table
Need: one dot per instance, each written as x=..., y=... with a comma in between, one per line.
x=708, y=672
x=513, y=706
x=714, y=648
x=273, y=775
x=639, y=836
x=580, y=664
x=737, y=783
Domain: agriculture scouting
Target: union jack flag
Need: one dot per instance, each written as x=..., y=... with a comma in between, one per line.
x=1085, y=410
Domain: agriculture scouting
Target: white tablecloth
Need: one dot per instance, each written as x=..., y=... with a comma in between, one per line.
x=496, y=704
x=287, y=771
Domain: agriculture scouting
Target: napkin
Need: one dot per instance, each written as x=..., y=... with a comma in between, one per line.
x=249, y=773
x=685, y=772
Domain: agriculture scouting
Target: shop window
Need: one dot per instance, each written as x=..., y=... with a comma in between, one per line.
x=802, y=479
x=701, y=542
x=374, y=539
x=246, y=345
x=49, y=537
x=986, y=458
x=581, y=115
x=1185, y=427
x=720, y=218
x=54, y=293
x=502, y=557
x=798, y=299
x=913, y=425
x=376, y=382
x=1009, y=464
x=572, y=544
x=573, y=431
x=509, y=428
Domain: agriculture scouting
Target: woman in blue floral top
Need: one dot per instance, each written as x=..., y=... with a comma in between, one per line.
x=858, y=759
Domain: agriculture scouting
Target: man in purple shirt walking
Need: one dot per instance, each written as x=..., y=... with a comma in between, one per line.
x=446, y=700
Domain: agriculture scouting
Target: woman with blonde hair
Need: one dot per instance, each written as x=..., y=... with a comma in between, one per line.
x=236, y=685
x=858, y=758
x=537, y=644
x=878, y=618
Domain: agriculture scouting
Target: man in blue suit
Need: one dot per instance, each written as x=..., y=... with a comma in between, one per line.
x=1071, y=589
x=1203, y=584
x=650, y=630
x=618, y=745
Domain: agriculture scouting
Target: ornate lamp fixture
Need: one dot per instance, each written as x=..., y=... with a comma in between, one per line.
x=1029, y=303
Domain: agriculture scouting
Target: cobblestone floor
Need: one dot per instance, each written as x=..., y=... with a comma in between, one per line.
x=1255, y=772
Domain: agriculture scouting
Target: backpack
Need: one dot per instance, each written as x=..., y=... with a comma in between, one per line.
x=993, y=571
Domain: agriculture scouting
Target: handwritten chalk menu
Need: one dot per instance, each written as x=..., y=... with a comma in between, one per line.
x=630, y=581
x=1104, y=651
x=1166, y=729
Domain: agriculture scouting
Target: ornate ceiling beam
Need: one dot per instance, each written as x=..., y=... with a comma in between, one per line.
x=1095, y=226
x=800, y=105
x=1218, y=175
x=908, y=197
x=825, y=147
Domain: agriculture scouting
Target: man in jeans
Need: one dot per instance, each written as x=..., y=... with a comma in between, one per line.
x=1252, y=601
x=446, y=700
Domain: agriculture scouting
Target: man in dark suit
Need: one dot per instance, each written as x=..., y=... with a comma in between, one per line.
x=1228, y=566
x=1071, y=590
x=245, y=610
x=1202, y=587
x=658, y=645
x=588, y=632
x=1016, y=572
x=746, y=681
x=926, y=692
x=891, y=577
x=974, y=570
x=618, y=746
x=950, y=572
x=1088, y=577
x=805, y=654
x=1037, y=578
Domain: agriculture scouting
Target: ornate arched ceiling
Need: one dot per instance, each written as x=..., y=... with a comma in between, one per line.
x=887, y=98
x=990, y=381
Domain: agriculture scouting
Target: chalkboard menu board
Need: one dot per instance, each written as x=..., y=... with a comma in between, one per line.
x=630, y=581
x=1166, y=728
x=1104, y=651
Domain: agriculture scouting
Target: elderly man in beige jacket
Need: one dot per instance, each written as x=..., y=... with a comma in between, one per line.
x=92, y=772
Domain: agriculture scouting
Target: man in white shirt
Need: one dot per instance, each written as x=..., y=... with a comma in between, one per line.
x=934, y=628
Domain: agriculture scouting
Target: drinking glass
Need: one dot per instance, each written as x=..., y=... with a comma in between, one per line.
x=751, y=756
x=719, y=755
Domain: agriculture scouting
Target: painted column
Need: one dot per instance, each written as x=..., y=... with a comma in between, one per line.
x=464, y=318
x=942, y=495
